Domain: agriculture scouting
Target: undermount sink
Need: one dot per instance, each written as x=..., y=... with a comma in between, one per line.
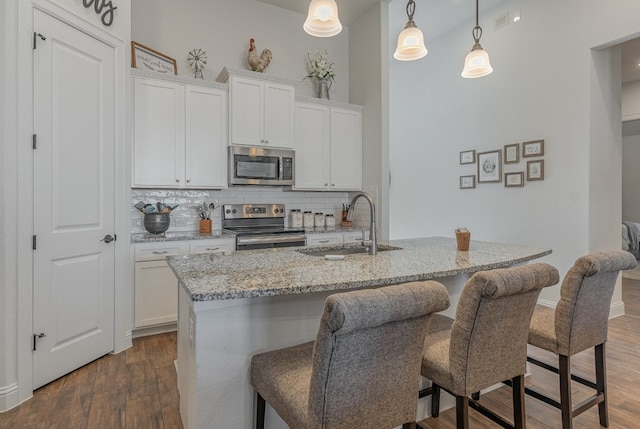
x=344, y=250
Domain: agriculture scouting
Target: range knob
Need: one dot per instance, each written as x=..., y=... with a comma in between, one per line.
x=228, y=211
x=234, y=211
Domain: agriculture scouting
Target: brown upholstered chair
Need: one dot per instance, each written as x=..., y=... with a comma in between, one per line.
x=579, y=322
x=367, y=351
x=486, y=344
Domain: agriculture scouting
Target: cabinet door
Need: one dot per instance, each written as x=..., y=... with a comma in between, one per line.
x=279, y=106
x=346, y=149
x=206, y=137
x=158, y=149
x=156, y=294
x=312, y=136
x=247, y=116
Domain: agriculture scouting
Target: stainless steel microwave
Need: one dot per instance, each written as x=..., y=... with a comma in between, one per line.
x=250, y=165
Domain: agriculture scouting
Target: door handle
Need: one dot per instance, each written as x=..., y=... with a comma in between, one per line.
x=108, y=238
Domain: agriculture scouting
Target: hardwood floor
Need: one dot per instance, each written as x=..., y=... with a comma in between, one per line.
x=137, y=388
x=623, y=380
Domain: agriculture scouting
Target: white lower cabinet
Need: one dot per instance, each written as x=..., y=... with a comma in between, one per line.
x=156, y=287
x=325, y=239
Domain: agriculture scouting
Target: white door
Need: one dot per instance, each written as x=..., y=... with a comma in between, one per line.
x=73, y=291
x=312, y=146
x=279, y=106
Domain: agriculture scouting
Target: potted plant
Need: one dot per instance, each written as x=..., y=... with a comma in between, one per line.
x=321, y=70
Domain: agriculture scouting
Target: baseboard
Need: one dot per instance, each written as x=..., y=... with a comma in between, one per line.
x=8, y=397
x=616, y=309
x=154, y=330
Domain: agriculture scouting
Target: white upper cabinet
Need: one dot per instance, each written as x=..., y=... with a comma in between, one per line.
x=158, y=138
x=261, y=109
x=206, y=137
x=328, y=146
x=180, y=135
x=346, y=149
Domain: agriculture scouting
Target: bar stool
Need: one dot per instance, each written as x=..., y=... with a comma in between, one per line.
x=486, y=344
x=579, y=322
x=367, y=351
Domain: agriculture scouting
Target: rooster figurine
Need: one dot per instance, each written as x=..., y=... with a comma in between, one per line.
x=258, y=63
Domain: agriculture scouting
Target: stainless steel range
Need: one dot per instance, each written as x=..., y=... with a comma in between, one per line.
x=260, y=226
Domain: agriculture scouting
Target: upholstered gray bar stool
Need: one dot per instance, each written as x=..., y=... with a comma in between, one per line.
x=486, y=344
x=579, y=322
x=367, y=351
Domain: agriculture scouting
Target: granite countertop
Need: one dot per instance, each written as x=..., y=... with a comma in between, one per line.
x=145, y=237
x=255, y=273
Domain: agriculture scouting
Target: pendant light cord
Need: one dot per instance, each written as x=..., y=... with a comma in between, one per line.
x=411, y=8
x=477, y=30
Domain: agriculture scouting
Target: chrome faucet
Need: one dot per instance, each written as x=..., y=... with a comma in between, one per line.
x=372, y=242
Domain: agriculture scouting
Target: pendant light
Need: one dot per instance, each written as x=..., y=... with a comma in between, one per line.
x=477, y=64
x=322, y=19
x=410, y=41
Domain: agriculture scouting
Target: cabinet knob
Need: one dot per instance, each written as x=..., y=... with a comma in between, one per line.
x=326, y=184
x=177, y=180
x=333, y=184
x=266, y=141
x=188, y=180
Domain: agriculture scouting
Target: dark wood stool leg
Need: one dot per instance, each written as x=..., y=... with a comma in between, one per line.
x=601, y=383
x=462, y=412
x=517, y=389
x=435, y=401
x=260, y=407
x=565, y=391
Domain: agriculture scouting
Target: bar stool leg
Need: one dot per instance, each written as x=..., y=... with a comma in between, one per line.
x=565, y=391
x=462, y=412
x=601, y=383
x=435, y=400
x=260, y=408
x=517, y=389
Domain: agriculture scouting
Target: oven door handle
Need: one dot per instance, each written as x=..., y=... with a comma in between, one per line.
x=261, y=239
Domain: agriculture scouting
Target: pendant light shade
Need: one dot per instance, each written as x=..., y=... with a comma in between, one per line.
x=322, y=19
x=477, y=63
x=410, y=41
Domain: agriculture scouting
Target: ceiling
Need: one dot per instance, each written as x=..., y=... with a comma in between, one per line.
x=435, y=17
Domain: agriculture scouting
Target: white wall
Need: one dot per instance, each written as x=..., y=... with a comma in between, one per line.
x=369, y=86
x=631, y=178
x=546, y=85
x=631, y=101
x=223, y=29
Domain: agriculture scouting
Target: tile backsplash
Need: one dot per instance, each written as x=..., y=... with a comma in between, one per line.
x=185, y=218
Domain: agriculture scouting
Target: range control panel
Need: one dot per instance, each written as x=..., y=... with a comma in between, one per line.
x=252, y=211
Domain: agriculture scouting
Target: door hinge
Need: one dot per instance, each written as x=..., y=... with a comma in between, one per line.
x=35, y=339
x=34, y=242
x=35, y=39
x=34, y=140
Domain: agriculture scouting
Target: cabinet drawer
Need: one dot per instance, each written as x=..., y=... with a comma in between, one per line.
x=157, y=251
x=324, y=240
x=211, y=246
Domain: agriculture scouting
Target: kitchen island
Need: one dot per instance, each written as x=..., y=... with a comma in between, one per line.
x=234, y=306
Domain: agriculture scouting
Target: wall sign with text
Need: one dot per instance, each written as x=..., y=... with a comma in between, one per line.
x=104, y=8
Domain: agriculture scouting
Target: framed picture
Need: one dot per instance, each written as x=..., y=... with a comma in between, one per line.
x=490, y=167
x=535, y=170
x=468, y=157
x=145, y=58
x=533, y=148
x=514, y=180
x=467, y=182
x=511, y=153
